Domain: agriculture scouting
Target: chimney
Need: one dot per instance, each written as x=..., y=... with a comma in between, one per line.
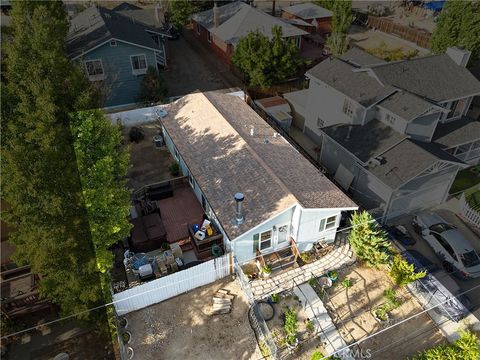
x=459, y=54
x=239, y=219
x=216, y=15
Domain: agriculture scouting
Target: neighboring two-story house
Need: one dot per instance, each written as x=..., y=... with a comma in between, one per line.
x=393, y=134
x=116, y=48
x=222, y=27
x=225, y=148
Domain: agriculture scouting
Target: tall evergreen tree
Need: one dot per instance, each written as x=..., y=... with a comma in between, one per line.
x=459, y=24
x=40, y=179
x=265, y=61
x=341, y=22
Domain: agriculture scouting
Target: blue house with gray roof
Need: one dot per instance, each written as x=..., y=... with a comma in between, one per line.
x=116, y=47
x=393, y=134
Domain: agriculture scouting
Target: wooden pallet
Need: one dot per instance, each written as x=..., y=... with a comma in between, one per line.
x=222, y=302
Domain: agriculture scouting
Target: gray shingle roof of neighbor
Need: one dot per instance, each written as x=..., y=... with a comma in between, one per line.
x=211, y=132
x=126, y=6
x=406, y=160
x=308, y=11
x=346, y=78
x=435, y=77
x=406, y=105
x=239, y=19
x=457, y=132
x=365, y=141
x=146, y=17
x=360, y=58
x=95, y=26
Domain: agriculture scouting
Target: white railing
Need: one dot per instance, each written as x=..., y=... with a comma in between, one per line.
x=468, y=213
x=172, y=285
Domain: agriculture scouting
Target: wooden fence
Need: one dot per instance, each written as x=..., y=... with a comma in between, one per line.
x=172, y=285
x=415, y=35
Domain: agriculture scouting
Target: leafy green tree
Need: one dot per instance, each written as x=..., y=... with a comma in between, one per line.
x=153, y=88
x=467, y=347
x=402, y=272
x=341, y=22
x=326, y=4
x=368, y=240
x=179, y=12
x=40, y=180
x=459, y=24
x=266, y=62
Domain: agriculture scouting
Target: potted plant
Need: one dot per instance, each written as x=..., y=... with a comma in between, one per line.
x=126, y=337
x=333, y=275
x=165, y=246
x=381, y=314
x=266, y=270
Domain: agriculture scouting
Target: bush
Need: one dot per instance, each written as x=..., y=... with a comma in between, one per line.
x=136, y=134
x=174, y=168
x=152, y=88
x=368, y=240
x=346, y=283
x=306, y=257
x=310, y=327
x=275, y=298
x=465, y=348
x=402, y=272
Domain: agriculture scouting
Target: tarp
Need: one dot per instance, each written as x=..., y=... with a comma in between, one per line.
x=434, y=5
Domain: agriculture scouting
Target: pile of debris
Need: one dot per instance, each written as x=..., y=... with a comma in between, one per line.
x=222, y=302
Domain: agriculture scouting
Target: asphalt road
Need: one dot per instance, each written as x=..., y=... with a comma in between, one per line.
x=422, y=246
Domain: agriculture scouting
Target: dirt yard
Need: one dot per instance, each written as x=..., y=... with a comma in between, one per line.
x=351, y=310
x=182, y=328
x=149, y=164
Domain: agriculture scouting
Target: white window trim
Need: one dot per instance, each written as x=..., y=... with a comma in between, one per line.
x=333, y=225
x=95, y=77
x=209, y=36
x=260, y=240
x=139, y=71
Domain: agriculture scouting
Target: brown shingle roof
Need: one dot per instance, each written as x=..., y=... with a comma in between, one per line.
x=212, y=133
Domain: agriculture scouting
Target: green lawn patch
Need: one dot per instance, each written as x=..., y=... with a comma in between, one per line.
x=465, y=179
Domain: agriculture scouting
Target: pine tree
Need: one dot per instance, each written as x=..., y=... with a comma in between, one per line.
x=40, y=179
x=368, y=240
x=458, y=25
x=266, y=62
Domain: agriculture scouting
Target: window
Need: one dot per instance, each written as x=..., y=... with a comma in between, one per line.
x=445, y=245
x=209, y=36
x=320, y=123
x=348, y=108
x=265, y=240
x=282, y=234
x=94, y=70
x=327, y=223
x=198, y=29
x=113, y=43
x=298, y=41
x=139, y=64
x=390, y=119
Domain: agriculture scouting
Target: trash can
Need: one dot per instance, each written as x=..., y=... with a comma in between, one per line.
x=158, y=140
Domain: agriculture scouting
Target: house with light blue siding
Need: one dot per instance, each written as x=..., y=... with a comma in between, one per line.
x=115, y=49
x=392, y=134
x=225, y=148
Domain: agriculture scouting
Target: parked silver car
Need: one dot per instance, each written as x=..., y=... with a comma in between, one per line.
x=457, y=254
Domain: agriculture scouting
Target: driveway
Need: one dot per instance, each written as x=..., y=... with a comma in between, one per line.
x=193, y=67
x=422, y=247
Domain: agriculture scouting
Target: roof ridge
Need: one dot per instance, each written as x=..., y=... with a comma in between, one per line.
x=257, y=157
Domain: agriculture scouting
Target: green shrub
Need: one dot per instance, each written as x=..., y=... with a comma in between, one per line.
x=312, y=282
x=266, y=269
x=392, y=300
x=152, y=88
x=174, y=168
x=467, y=347
x=402, y=272
x=310, y=327
x=275, y=298
x=306, y=257
x=291, y=326
x=368, y=240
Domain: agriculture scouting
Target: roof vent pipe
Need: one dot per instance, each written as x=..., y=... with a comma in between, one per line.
x=239, y=219
x=216, y=15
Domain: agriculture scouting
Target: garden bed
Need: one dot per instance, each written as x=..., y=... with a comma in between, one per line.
x=308, y=340
x=352, y=301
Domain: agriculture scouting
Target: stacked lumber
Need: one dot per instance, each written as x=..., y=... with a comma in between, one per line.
x=222, y=302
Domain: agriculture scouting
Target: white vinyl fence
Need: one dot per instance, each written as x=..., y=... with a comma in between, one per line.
x=470, y=214
x=172, y=285
x=136, y=116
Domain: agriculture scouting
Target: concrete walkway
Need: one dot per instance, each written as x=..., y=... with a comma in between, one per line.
x=340, y=256
x=324, y=326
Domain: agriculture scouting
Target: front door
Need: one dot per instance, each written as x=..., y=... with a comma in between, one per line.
x=281, y=236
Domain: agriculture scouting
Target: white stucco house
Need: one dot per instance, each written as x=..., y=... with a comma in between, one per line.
x=225, y=148
x=393, y=134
